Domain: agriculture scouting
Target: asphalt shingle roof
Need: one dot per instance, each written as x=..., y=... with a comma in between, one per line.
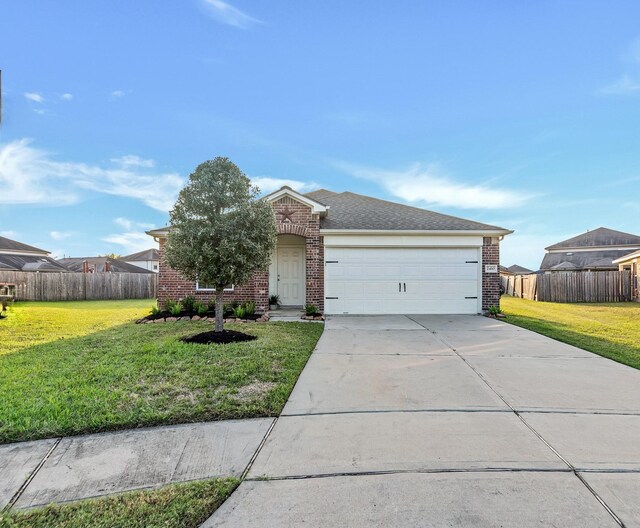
x=29, y=263
x=598, y=238
x=98, y=265
x=6, y=244
x=348, y=210
x=597, y=259
x=147, y=254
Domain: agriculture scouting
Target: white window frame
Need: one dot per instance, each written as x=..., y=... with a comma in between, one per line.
x=198, y=288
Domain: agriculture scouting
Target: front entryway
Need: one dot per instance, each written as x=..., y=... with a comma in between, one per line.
x=290, y=270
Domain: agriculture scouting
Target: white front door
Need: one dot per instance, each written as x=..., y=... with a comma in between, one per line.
x=402, y=280
x=291, y=275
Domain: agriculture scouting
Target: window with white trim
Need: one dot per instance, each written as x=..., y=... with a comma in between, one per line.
x=208, y=287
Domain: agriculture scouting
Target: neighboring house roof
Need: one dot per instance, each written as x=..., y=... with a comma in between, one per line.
x=519, y=270
x=601, y=237
x=630, y=256
x=97, y=264
x=147, y=254
x=353, y=211
x=29, y=263
x=7, y=245
x=597, y=259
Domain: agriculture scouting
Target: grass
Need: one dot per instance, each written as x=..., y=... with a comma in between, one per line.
x=611, y=330
x=129, y=375
x=178, y=505
x=33, y=323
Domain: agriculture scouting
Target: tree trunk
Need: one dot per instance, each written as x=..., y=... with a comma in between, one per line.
x=219, y=310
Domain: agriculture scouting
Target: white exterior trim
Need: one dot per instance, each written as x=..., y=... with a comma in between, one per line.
x=396, y=232
x=398, y=240
x=627, y=258
x=316, y=207
x=583, y=249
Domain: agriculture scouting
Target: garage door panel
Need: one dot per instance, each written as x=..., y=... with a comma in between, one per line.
x=373, y=280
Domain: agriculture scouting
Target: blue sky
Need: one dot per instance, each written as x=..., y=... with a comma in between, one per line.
x=520, y=114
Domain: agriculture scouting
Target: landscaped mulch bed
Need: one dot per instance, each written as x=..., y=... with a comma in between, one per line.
x=163, y=317
x=226, y=336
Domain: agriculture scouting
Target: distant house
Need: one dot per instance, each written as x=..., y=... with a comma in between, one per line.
x=100, y=265
x=16, y=256
x=631, y=263
x=515, y=270
x=148, y=259
x=592, y=251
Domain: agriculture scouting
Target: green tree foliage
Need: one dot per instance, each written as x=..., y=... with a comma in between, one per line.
x=221, y=231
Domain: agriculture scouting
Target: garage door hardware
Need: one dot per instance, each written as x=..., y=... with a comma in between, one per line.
x=332, y=261
x=470, y=261
x=332, y=298
x=470, y=297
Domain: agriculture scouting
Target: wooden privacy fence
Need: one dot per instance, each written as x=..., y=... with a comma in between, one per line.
x=570, y=286
x=32, y=286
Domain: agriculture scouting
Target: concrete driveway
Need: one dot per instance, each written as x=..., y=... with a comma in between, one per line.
x=448, y=421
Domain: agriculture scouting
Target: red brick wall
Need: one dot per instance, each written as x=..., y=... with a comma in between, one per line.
x=296, y=218
x=490, y=281
x=171, y=286
x=292, y=217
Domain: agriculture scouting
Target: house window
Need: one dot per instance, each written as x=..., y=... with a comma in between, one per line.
x=208, y=287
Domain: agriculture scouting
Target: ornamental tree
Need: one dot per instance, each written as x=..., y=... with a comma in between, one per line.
x=221, y=231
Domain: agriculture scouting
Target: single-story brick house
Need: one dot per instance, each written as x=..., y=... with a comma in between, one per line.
x=352, y=254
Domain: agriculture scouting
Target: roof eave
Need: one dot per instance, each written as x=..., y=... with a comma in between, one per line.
x=455, y=232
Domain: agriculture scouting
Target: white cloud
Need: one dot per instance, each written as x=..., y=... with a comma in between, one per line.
x=132, y=242
x=228, y=14
x=66, y=97
x=127, y=224
x=268, y=185
x=624, y=85
x=60, y=235
x=133, y=161
x=39, y=111
x=9, y=234
x=118, y=93
x=426, y=184
x=34, y=96
x=29, y=175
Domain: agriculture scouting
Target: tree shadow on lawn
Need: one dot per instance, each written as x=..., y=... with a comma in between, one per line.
x=602, y=346
x=141, y=375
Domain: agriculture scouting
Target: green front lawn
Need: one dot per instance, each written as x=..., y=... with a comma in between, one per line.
x=611, y=330
x=129, y=375
x=179, y=505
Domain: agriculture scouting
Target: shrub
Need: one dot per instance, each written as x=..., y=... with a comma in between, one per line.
x=311, y=309
x=176, y=309
x=200, y=309
x=274, y=298
x=494, y=310
x=170, y=303
x=155, y=310
x=239, y=312
x=211, y=305
x=189, y=304
x=250, y=307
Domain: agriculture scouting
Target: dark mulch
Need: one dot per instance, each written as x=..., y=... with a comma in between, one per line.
x=226, y=336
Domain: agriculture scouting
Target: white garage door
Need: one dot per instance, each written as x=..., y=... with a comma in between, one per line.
x=402, y=280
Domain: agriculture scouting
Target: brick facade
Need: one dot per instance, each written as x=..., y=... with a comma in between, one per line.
x=490, y=281
x=292, y=218
x=296, y=218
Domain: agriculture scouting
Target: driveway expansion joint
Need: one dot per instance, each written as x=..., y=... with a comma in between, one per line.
x=31, y=476
x=530, y=427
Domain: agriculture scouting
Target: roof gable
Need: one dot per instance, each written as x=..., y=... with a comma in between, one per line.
x=147, y=254
x=600, y=237
x=316, y=207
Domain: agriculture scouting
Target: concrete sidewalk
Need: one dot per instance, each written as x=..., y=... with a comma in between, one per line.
x=72, y=468
x=447, y=421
